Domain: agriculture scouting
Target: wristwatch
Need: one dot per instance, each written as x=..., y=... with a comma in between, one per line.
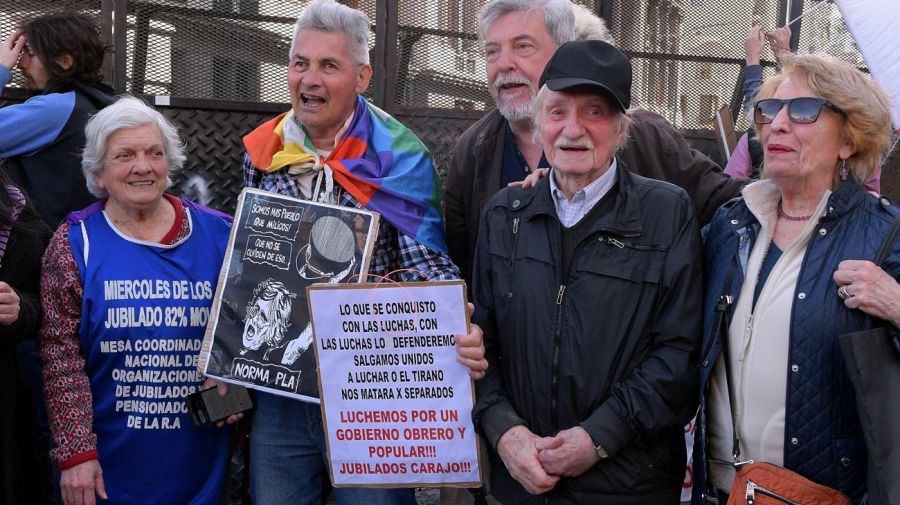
x=601, y=452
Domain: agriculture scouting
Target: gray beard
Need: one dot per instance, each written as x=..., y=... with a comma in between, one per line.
x=515, y=114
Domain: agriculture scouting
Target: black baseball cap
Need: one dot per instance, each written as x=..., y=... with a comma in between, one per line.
x=592, y=63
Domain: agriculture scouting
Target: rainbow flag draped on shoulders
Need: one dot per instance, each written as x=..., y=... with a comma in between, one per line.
x=378, y=161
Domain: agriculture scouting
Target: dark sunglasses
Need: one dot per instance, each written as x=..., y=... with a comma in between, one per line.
x=802, y=110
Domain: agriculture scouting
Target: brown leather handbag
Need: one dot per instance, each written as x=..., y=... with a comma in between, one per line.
x=768, y=484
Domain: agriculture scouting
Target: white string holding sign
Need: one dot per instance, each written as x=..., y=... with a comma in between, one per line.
x=807, y=12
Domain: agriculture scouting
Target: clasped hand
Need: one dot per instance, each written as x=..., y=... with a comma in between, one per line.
x=9, y=304
x=537, y=463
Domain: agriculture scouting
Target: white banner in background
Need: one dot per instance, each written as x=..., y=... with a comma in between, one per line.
x=875, y=25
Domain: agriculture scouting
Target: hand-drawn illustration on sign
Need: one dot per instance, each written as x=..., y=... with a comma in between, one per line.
x=259, y=335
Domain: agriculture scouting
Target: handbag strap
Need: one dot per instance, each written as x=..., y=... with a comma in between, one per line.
x=886, y=247
x=888, y=243
x=720, y=330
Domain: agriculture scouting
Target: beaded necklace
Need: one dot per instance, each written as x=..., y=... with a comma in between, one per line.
x=782, y=213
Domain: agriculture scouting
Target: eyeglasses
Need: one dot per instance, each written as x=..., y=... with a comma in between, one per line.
x=802, y=110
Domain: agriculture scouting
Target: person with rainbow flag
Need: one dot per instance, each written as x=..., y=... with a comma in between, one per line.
x=335, y=147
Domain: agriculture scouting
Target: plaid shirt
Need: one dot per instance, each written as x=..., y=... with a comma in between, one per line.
x=395, y=253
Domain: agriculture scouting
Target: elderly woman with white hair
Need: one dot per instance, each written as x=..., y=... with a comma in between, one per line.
x=119, y=352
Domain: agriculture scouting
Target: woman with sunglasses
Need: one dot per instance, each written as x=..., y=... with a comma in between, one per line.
x=824, y=127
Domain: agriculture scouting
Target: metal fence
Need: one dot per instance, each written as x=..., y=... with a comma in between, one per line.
x=219, y=67
x=231, y=50
x=689, y=56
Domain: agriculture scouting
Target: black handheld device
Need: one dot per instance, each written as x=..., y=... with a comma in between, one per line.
x=207, y=407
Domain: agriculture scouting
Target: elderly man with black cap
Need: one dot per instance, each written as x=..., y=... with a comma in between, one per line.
x=588, y=290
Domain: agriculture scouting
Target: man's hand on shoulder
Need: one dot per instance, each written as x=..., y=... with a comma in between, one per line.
x=532, y=179
x=519, y=449
x=572, y=453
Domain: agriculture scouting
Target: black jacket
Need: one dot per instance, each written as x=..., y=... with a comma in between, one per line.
x=654, y=149
x=20, y=267
x=608, y=345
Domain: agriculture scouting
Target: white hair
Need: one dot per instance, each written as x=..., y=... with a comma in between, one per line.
x=588, y=26
x=126, y=112
x=330, y=16
x=558, y=17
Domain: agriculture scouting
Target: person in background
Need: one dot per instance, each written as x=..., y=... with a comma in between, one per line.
x=23, y=237
x=741, y=164
x=61, y=57
x=116, y=370
x=824, y=127
x=588, y=26
x=746, y=160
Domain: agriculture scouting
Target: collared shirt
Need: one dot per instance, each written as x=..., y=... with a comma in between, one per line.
x=514, y=167
x=571, y=211
x=393, y=252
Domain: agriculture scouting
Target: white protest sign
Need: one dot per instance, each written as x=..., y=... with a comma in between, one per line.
x=396, y=403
